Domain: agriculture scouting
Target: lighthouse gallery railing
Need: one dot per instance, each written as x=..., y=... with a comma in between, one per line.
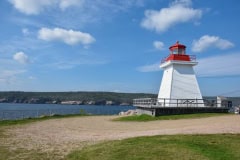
x=192, y=58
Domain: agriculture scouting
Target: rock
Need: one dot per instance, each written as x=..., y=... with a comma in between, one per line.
x=121, y=113
x=128, y=113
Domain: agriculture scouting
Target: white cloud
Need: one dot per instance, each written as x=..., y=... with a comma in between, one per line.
x=63, y=4
x=67, y=36
x=178, y=12
x=70, y=13
x=34, y=7
x=149, y=68
x=9, y=73
x=207, y=41
x=70, y=63
x=31, y=6
x=158, y=45
x=9, y=76
x=221, y=65
x=182, y=2
x=27, y=43
x=21, y=58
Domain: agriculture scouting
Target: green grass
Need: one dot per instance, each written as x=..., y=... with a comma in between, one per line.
x=145, y=118
x=30, y=120
x=201, y=147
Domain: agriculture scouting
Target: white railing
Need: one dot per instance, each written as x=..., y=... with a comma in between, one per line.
x=166, y=102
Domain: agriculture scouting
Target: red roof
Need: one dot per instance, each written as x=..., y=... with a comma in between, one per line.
x=177, y=45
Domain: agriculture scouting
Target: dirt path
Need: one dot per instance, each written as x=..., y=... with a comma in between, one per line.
x=63, y=135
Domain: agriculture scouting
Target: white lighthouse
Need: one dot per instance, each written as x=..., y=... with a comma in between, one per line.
x=179, y=86
x=179, y=91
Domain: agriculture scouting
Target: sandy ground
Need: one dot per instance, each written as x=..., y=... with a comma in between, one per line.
x=63, y=135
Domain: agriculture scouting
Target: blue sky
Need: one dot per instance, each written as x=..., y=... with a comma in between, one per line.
x=116, y=45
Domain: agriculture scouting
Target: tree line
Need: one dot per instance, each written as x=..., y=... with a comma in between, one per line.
x=96, y=98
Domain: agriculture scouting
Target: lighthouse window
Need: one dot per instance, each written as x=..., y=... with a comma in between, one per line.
x=181, y=51
x=175, y=51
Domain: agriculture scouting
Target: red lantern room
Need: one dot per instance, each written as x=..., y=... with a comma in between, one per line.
x=177, y=48
x=178, y=53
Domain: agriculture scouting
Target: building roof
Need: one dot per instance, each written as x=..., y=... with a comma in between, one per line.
x=177, y=45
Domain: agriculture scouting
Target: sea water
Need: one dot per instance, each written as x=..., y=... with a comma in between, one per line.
x=21, y=111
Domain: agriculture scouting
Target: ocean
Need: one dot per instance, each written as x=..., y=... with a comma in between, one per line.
x=11, y=111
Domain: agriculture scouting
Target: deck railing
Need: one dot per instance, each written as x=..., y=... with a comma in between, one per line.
x=166, y=102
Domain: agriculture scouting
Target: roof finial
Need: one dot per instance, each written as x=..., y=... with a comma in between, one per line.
x=177, y=42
